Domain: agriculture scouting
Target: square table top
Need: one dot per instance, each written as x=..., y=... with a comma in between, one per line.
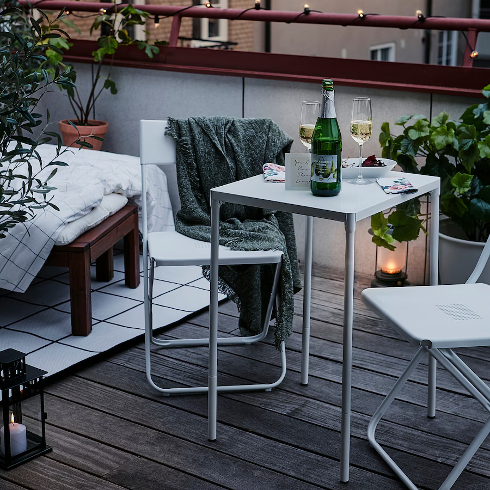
x=361, y=201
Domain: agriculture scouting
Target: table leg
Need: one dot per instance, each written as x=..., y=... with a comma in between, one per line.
x=434, y=280
x=350, y=229
x=305, y=349
x=213, y=322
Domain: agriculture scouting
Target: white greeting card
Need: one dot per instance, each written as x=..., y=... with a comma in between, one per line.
x=298, y=170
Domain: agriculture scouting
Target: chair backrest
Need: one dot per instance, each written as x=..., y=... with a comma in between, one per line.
x=480, y=265
x=155, y=147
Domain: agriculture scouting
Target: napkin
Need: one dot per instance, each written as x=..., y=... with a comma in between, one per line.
x=396, y=185
x=274, y=172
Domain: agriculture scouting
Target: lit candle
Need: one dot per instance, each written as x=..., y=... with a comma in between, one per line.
x=18, y=438
x=392, y=262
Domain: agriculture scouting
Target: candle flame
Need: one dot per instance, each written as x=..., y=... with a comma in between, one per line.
x=11, y=418
x=391, y=268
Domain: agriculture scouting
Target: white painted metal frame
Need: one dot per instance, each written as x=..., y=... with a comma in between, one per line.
x=351, y=205
x=460, y=371
x=156, y=148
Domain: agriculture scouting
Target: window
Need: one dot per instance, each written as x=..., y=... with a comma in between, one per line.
x=205, y=31
x=382, y=52
x=447, y=48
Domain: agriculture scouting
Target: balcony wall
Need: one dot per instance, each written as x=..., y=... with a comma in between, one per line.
x=149, y=94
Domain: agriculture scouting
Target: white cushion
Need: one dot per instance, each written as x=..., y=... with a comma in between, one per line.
x=109, y=205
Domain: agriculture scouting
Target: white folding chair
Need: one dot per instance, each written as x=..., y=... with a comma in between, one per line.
x=438, y=319
x=173, y=249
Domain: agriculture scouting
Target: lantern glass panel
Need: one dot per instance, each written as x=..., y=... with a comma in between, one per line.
x=392, y=262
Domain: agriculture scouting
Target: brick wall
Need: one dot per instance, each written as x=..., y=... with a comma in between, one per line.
x=241, y=32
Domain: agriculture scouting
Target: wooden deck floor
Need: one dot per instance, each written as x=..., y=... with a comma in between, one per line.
x=110, y=431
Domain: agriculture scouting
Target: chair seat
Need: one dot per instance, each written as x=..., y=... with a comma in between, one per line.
x=172, y=248
x=447, y=316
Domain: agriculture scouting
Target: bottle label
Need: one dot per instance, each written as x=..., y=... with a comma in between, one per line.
x=328, y=110
x=324, y=168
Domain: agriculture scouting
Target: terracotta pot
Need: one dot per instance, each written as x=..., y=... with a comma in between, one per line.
x=70, y=134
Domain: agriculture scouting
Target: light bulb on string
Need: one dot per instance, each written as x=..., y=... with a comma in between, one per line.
x=208, y=5
x=360, y=13
x=474, y=54
x=420, y=15
x=157, y=21
x=306, y=9
x=257, y=5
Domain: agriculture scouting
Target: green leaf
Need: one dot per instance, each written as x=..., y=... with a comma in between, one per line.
x=452, y=205
x=442, y=136
x=406, y=228
x=407, y=163
x=380, y=242
x=485, y=193
x=410, y=208
x=468, y=146
x=486, y=91
x=385, y=135
x=379, y=224
x=440, y=119
x=71, y=24
x=480, y=209
x=402, y=120
x=461, y=182
x=486, y=117
x=419, y=129
x=110, y=84
x=409, y=146
x=484, y=147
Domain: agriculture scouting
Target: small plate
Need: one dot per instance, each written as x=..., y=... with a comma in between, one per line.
x=367, y=172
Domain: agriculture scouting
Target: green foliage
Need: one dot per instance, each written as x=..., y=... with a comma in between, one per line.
x=456, y=151
x=116, y=23
x=24, y=46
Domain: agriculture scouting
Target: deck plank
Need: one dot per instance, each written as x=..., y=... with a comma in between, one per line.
x=110, y=430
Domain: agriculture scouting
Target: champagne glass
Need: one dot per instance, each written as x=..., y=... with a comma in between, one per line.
x=361, y=128
x=309, y=116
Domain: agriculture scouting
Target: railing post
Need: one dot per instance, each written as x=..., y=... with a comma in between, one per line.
x=174, y=31
x=470, y=45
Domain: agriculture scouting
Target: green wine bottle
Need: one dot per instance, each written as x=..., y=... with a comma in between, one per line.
x=326, y=145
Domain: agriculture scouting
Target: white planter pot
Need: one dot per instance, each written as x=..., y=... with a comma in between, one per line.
x=458, y=257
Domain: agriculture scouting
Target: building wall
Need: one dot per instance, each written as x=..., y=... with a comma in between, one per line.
x=354, y=42
x=183, y=95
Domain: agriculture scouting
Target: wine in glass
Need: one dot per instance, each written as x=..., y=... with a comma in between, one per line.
x=361, y=128
x=309, y=115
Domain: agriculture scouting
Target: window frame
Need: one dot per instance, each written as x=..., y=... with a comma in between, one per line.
x=379, y=47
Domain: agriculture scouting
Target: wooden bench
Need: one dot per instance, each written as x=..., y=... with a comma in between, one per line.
x=97, y=244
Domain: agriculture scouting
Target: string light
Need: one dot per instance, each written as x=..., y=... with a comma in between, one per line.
x=420, y=15
x=157, y=21
x=306, y=9
x=474, y=52
x=360, y=13
x=208, y=5
x=102, y=11
x=257, y=5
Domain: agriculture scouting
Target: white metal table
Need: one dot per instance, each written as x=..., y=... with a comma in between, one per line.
x=354, y=203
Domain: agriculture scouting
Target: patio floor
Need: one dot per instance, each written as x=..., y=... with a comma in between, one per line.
x=110, y=431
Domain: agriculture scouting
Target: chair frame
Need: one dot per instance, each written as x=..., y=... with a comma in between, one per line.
x=149, y=129
x=462, y=373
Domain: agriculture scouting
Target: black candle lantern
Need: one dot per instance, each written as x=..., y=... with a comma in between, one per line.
x=391, y=266
x=19, y=382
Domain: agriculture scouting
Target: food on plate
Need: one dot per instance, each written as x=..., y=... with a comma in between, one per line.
x=372, y=161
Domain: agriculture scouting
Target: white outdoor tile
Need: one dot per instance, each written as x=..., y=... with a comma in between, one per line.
x=178, y=274
x=201, y=283
x=47, y=271
x=162, y=316
x=104, y=336
x=23, y=342
x=119, y=262
x=94, y=284
x=120, y=289
x=50, y=324
x=47, y=293
x=13, y=310
x=104, y=305
x=184, y=298
x=57, y=357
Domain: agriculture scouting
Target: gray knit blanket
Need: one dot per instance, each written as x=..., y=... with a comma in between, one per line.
x=216, y=151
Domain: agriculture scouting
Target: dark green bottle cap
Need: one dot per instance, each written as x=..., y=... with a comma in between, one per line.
x=327, y=84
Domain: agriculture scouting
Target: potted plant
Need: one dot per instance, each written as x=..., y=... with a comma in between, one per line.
x=22, y=84
x=116, y=23
x=458, y=151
